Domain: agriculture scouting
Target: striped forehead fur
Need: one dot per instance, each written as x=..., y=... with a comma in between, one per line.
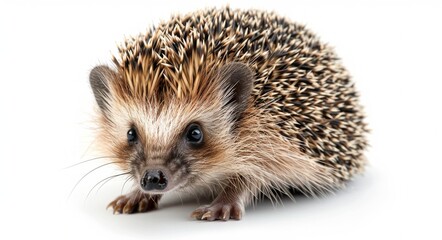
x=160, y=125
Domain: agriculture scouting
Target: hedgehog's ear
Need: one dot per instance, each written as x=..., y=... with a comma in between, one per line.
x=238, y=82
x=99, y=79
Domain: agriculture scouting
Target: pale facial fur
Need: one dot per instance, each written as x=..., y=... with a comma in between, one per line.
x=161, y=139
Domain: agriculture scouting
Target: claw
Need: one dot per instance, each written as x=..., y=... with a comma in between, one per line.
x=218, y=211
x=133, y=203
x=206, y=215
x=226, y=213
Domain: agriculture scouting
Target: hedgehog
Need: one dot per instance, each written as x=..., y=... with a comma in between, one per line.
x=236, y=104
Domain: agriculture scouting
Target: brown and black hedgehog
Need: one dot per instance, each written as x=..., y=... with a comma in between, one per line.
x=239, y=103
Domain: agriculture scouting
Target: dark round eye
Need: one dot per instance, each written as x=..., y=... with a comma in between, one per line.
x=194, y=133
x=132, y=135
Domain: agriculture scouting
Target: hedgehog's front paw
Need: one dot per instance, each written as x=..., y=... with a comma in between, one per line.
x=219, y=210
x=134, y=203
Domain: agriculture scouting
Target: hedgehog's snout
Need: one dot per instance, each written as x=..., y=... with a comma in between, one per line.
x=154, y=180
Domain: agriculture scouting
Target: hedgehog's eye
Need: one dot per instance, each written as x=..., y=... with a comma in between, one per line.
x=132, y=135
x=194, y=134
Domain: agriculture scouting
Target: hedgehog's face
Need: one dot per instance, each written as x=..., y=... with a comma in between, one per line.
x=169, y=146
x=177, y=143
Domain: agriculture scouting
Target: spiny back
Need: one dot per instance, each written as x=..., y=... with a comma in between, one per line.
x=300, y=86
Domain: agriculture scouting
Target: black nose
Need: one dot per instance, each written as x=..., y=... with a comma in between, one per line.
x=154, y=180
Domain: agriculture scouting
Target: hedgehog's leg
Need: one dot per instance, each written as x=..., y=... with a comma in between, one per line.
x=135, y=202
x=229, y=204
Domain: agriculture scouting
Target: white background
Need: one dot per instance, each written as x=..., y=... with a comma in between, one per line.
x=47, y=48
